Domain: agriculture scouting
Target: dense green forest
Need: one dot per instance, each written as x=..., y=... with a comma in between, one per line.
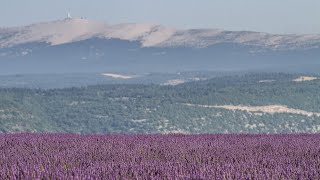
x=164, y=109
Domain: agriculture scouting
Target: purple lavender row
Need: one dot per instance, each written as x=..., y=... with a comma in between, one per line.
x=63, y=156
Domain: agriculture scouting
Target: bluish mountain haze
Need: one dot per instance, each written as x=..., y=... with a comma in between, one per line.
x=79, y=45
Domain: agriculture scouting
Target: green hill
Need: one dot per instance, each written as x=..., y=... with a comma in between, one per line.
x=232, y=104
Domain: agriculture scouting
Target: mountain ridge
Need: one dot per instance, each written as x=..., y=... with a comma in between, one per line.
x=149, y=35
x=76, y=45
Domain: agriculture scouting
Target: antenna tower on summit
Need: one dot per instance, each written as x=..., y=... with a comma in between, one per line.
x=69, y=15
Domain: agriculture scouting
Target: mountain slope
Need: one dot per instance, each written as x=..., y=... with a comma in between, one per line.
x=79, y=45
x=72, y=30
x=149, y=35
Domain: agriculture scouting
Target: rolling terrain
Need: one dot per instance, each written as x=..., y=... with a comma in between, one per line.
x=251, y=103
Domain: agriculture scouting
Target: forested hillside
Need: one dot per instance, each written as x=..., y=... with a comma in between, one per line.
x=252, y=103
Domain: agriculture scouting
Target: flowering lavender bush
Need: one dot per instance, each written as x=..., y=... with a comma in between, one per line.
x=60, y=156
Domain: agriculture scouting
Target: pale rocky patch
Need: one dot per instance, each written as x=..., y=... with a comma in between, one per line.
x=266, y=81
x=139, y=120
x=173, y=82
x=305, y=78
x=271, y=109
x=117, y=76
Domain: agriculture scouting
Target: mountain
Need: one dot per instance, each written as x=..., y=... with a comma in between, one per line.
x=78, y=45
x=148, y=35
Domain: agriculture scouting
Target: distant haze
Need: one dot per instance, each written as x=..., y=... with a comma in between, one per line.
x=273, y=16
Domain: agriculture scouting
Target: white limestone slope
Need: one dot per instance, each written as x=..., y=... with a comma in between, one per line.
x=271, y=109
x=150, y=35
x=76, y=29
x=305, y=78
x=56, y=32
x=173, y=82
x=117, y=76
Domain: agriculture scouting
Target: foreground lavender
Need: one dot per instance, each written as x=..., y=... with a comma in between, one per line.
x=29, y=156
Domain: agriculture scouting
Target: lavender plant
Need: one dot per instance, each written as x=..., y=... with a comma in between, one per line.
x=65, y=156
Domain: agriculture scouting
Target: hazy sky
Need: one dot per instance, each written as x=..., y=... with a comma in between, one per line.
x=275, y=16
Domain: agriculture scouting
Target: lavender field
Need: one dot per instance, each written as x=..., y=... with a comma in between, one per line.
x=59, y=156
